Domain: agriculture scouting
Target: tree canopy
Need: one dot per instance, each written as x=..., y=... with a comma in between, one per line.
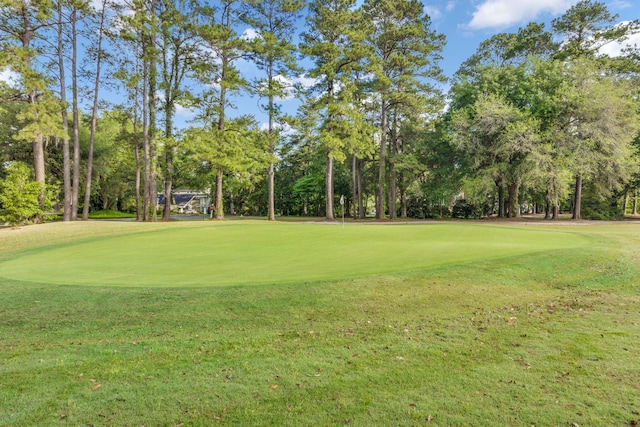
x=538, y=121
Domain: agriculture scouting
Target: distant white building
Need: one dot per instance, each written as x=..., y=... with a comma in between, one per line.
x=187, y=201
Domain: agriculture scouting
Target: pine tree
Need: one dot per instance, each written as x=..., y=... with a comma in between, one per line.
x=334, y=43
x=273, y=52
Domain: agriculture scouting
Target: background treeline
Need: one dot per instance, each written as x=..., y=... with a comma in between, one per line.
x=537, y=121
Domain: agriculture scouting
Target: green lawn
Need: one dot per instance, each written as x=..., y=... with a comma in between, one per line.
x=206, y=254
x=109, y=214
x=302, y=324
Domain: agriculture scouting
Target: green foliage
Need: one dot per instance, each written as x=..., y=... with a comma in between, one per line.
x=308, y=186
x=466, y=210
x=114, y=164
x=41, y=119
x=271, y=49
x=499, y=139
x=21, y=22
x=588, y=26
x=419, y=207
x=334, y=42
x=522, y=115
x=510, y=49
x=596, y=206
x=238, y=149
x=404, y=52
x=557, y=132
x=20, y=196
x=216, y=62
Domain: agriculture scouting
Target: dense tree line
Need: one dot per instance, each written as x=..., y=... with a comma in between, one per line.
x=537, y=121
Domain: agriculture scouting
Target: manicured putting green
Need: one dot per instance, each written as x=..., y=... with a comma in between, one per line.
x=219, y=254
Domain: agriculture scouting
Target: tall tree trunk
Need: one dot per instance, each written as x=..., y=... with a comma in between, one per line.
x=393, y=182
x=393, y=176
x=556, y=206
x=66, y=158
x=354, y=185
x=271, y=209
x=548, y=201
x=145, y=131
x=577, y=197
x=168, y=183
x=361, y=207
x=153, y=85
x=153, y=190
x=329, y=189
x=514, y=208
x=501, y=200
x=219, y=207
x=75, y=111
x=38, y=140
x=38, y=162
x=635, y=202
x=403, y=203
x=136, y=145
x=328, y=176
x=175, y=61
x=168, y=159
x=383, y=164
x=136, y=151
x=393, y=190
x=220, y=172
x=94, y=118
x=38, y=155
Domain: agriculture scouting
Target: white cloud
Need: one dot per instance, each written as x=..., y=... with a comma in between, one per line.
x=289, y=85
x=179, y=109
x=451, y=5
x=433, y=12
x=306, y=82
x=250, y=34
x=620, y=4
x=123, y=7
x=615, y=49
x=504, y=13
x=185, y=112
x=9, y=77
x=96, y=4
x=284, y=128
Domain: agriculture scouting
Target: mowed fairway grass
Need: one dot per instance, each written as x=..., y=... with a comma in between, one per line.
x=252, y=323
x=234, y=253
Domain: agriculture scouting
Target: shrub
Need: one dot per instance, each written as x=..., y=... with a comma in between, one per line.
x=465, y=209
x=19, y=196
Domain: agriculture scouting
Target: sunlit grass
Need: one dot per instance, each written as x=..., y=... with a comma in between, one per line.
x=110, y=214
x=546, y=338
x=222, y=254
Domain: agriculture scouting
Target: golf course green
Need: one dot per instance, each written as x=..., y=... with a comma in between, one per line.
x=251, y=323
x=220, y=254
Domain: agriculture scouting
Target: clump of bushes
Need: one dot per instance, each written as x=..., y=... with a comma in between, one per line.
x=20, y=196
x=467, y=210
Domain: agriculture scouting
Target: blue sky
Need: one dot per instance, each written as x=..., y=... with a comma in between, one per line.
x=466, y=23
